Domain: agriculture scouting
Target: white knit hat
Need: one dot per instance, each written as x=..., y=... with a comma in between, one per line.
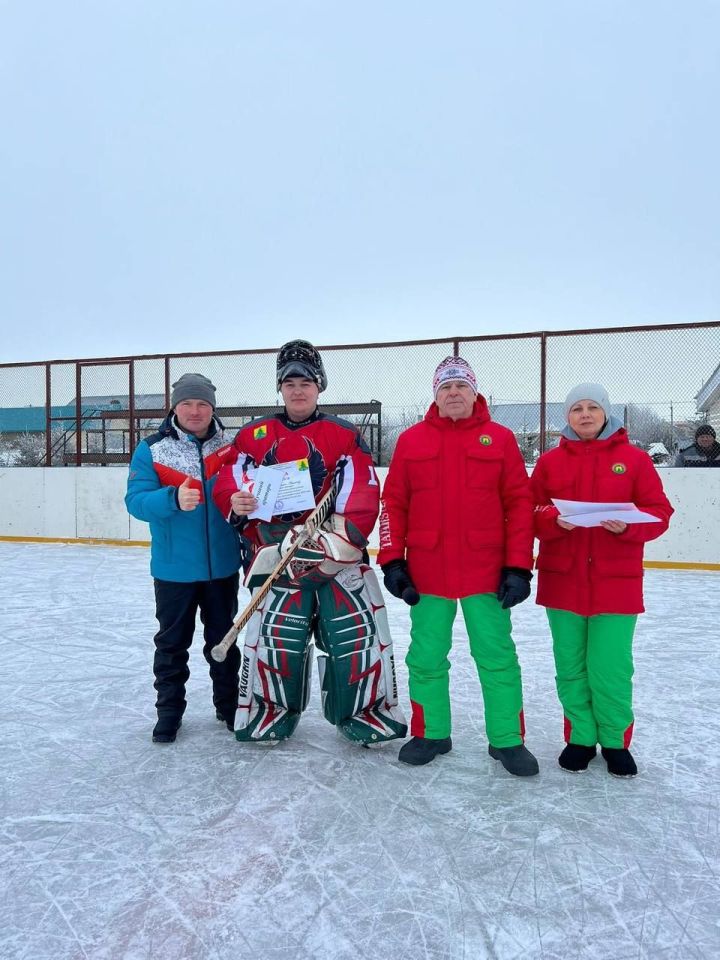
x=454, y=368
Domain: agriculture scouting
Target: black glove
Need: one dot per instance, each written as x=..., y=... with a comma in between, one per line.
x=514, y=586
x=397, y=581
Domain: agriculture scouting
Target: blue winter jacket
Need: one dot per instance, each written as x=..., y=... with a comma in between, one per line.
x=187, y=545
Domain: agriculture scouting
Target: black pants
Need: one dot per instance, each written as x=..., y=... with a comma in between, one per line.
x=176, y=605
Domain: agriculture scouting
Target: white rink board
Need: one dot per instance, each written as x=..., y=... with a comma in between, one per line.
x=87, y=503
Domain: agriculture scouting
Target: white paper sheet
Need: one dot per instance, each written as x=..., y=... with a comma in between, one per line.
x=264, y=484
x=584, y=513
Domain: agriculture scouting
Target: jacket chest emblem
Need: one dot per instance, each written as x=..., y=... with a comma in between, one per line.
x=485, y=440
x=618, y=468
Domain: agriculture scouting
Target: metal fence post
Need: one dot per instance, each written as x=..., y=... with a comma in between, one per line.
x=543, y=389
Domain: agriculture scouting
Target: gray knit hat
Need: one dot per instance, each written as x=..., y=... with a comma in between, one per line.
x=588, y=391
x=192, y=386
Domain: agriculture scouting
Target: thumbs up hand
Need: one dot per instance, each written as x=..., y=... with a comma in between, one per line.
x=188, y=497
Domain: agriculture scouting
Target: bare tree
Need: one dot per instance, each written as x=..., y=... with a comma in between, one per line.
x=26, y=450
x=392, y=428
x=645, y=427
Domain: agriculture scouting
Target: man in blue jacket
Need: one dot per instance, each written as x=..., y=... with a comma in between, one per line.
x=195, y=554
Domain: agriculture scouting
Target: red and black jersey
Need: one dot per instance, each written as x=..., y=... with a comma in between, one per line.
x=335, y=452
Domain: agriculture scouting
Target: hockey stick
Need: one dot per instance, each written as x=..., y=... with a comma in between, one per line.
x=321, y=512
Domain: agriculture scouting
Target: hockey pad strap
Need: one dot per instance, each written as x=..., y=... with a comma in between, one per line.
x=262, y=564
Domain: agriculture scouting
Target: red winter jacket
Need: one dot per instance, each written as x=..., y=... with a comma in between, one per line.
x=591, y=571
x=457, y=504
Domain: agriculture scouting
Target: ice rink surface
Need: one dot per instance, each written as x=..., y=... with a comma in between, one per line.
x=115, y=848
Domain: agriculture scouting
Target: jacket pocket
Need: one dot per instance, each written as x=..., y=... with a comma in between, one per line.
x=484, y=539
x=619, y=566
x=422, y=539
x=483, y=467
x=552, y=562
x=560, y=489
x=422, y=472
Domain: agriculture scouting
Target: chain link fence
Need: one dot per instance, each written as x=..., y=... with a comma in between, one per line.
x=661, y=380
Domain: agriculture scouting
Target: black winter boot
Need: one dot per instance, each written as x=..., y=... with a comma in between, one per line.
x=576, y=758
x=620, y=763
x=227, y=718
x=517, y=760
x=422, y=750
x=166, y=729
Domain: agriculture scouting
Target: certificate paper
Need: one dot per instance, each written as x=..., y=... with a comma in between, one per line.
x=263, y=483
x=278, y=488
x=583, y=513
x=296, y=490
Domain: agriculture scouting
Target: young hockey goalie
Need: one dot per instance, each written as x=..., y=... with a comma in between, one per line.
x=328, y=589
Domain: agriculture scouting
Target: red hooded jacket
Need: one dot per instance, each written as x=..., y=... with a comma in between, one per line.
x=592, y=571
x=457, y=504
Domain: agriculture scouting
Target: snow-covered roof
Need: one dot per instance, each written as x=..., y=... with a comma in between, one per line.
x=709, y=394
x=525, y=417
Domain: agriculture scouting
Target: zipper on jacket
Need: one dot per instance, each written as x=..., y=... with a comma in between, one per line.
x=205, y=505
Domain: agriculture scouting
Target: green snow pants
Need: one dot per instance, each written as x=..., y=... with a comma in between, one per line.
x=594, y=669
x=492, y=649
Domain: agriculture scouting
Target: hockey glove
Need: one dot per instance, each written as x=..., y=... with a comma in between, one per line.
x=514, y=586
x=397, y=582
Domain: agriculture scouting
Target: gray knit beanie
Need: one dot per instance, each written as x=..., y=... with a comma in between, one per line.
x=192, y=386
x=588, y=391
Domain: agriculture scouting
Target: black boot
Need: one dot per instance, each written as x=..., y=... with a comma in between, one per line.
x=422, y=750
x=226, y=717
x=166, y=729
x=576, y=758
x=517, y=760
x=620, y=763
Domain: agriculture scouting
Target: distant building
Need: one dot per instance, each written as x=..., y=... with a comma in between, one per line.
x=104, y=426
x=524, y=421
x=15, y=422
x=707, y=399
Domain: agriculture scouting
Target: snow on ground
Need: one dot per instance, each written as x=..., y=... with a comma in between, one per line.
x=115, y=847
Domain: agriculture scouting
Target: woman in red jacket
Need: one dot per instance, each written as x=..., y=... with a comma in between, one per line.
x=590, y=579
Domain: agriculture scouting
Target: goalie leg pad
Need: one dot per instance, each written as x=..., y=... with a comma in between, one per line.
x=355, y=661
x=275, y=669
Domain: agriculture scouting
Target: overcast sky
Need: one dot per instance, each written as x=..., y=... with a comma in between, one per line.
x=226, y=174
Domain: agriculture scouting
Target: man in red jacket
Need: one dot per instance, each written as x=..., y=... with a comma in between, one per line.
x=457, y=524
